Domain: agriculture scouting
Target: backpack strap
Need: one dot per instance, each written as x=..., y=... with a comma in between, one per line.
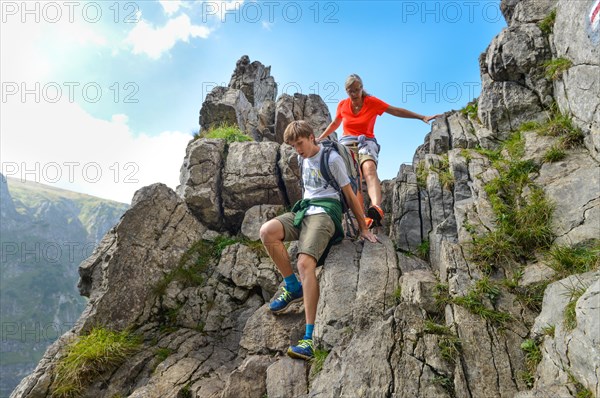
x=325, y=170
x=328, y=147
x=301, y=168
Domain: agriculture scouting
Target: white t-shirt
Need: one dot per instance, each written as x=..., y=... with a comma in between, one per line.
x=314, y=182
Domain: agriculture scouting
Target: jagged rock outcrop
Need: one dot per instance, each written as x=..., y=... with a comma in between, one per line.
x=250, y=177
x=442, y=324
x=567, y=184
x=290, y=172
x=254, y=80
x=309, y=107
x=157, y=242
x=220, y=182
x=229, y=106
x=526, y=11
x=248, y=101
x=578, y=91
x=201, y=180
x=514, y=88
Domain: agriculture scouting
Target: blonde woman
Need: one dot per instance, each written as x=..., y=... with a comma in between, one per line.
x=358, y=112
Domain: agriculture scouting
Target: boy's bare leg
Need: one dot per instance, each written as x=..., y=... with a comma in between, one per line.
x=307, y=266
x=272, y=235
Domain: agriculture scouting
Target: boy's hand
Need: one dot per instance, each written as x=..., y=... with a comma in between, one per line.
x=370, y=236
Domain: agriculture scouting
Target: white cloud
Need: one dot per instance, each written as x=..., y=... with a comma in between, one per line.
x=267, y=25
x=34, y=51
x=233, y=5
x=170, y=7
x=62, y=145
x=154, y=41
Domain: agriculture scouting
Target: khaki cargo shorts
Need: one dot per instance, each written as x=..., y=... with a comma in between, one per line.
x=360, y=157
x=314, y=235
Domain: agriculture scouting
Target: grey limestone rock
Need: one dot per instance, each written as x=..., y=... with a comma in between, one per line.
x=569, y=351
x=200, y=180
x=578, y=92
x=569, y=185
x=254, y=80
x=249, y=379
x=505, y=106
x=290, y=172
x=287, y=378
x=525, y=11
x=229, y=106
x=137, y=253
x=255, y=217
x=250, y=177
x=309, y=107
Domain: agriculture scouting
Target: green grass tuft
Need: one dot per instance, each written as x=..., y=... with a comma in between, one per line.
x=422, y=174
x=575, y=292
x=532, y=296
x=445, y=175
x=317, y=362
x=515, y=145
x=195, y=261
x=532, y=351
x=227, y=132
x=441, y=296
x=533, y=356
x=445, y=382
x=549, y=330
x=556, y=67
x=559, y=125
x=474, y=302
x=580, y=390
x=546, y=25
x=162, y=354
x=492, y=155
x=90, y=356
x=431, y=327
x=185, y=392
x=397, y=295
x=423, y=250
x=522, y=220
x=450, y=348
x=470, y=110
x=530, y=126
x=574, y=260
x=554, y=154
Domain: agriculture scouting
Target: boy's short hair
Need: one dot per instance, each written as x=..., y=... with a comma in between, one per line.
x=297, y=129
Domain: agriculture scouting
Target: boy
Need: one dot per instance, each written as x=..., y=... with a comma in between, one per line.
x=314, y=222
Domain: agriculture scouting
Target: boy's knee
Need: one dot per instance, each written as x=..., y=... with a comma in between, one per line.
x=306, y=263
x=269, y=232
x=264, y=232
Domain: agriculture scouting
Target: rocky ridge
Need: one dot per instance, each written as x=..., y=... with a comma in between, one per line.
x=394, y=324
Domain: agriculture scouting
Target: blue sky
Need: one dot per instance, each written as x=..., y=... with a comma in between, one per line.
x=101, y=97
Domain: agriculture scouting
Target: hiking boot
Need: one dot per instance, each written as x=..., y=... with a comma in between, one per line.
x=376, y=213
x=369, y=221
x=285, y=299
x=304, y=350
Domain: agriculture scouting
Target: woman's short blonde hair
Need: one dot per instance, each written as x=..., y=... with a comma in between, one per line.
x=297, y=129
x=350, y=80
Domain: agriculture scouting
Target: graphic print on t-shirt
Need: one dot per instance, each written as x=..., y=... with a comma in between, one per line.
x=313, y=178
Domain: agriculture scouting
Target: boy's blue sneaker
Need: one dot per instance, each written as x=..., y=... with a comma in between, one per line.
x=304, y=350
x=284, y=300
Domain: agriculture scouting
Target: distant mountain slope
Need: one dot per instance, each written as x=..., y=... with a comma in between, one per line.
x=45, y=232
